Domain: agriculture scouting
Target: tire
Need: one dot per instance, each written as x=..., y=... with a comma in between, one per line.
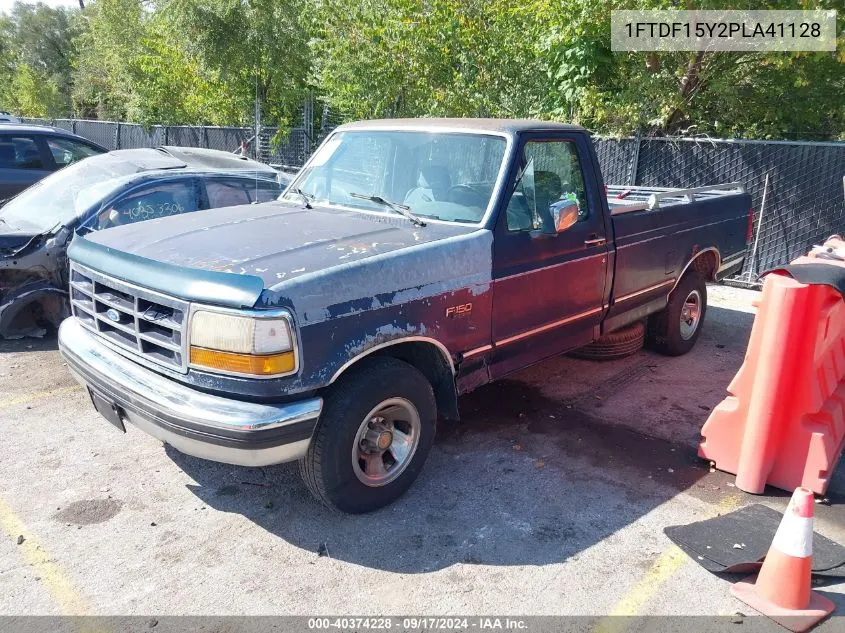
x=383, y=397
x=666, y=333
x=617, y=344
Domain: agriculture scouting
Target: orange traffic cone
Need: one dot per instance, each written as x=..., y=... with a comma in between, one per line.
x=782, y=588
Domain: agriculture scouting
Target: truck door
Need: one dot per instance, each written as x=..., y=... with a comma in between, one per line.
x=548, y=289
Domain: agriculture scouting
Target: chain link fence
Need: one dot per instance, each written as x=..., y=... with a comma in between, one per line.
x=804, y=197
x=802, y=181
x=292, y=148
x=287, y=148
x=618, y=159
x=115, y=135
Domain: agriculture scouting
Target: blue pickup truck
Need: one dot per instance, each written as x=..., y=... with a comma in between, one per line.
x=410, y=261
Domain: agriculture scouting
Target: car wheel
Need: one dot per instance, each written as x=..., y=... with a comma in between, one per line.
x=674, y=330
x=373, y=436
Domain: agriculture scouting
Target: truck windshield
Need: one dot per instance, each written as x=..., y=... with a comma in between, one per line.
x=61, y=196
x=437, y=175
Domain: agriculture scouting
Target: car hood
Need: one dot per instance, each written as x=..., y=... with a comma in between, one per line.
x=12, y=241
x=322, y=261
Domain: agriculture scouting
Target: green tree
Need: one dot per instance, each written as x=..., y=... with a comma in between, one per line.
x=718, y=93
x=44, y=39
x=172, y=87
x=36, y=57
x=256, y=48
x=432, y=57
x=552, y=59
x=7, y=58
x=206, y=61
x=33, y=94
x=107, y=46
x=136, y=64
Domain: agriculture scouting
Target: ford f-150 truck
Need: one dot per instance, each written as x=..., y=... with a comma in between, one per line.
x=409, y=261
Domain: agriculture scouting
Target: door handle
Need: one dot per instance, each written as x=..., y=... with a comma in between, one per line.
x=595, y=241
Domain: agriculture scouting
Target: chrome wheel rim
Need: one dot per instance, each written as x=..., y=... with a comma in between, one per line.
x=690, y=315
x=386, y=442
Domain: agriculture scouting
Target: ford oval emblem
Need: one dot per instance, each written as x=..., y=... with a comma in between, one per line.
x=113, y=315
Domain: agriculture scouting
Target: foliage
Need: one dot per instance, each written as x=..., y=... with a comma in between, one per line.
x=773, y=95
x=437, y=58
x=33, y=94
x=135, y=64
x=254, y=47
x=206, y=61
x=36, y=55
x=552, y=59
x=107, y=46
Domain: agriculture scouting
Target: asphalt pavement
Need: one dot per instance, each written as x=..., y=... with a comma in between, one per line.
x=550, y=498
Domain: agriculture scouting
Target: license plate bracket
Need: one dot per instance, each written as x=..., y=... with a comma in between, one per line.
x=109, y=410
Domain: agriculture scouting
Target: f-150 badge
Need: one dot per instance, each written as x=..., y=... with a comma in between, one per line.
x=456, y=311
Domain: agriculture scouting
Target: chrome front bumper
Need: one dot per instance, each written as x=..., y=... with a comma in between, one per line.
x=193, y=422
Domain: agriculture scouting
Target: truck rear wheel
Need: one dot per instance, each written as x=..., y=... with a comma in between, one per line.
x=674, y=330
x=373, y=437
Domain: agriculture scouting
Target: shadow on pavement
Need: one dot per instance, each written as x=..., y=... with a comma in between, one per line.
x=531, y=476
x=521, y=481
x=48, y=342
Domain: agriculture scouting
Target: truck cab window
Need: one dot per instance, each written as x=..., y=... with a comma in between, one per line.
x=550, y=178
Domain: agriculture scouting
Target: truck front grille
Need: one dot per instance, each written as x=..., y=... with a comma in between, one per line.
x=148, y=324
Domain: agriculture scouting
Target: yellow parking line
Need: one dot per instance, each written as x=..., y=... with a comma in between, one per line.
x=38, y=395
x=665, y=567
x=54, y=578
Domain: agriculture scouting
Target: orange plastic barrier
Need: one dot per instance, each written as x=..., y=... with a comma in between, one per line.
x=784, y=422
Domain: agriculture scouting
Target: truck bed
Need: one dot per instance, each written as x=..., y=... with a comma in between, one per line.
x=658, y=231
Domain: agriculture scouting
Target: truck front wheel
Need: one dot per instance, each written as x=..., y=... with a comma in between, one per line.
x=675, y=329
x=373, y=437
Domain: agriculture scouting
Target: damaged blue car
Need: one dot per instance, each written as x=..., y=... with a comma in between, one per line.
x=113, y=189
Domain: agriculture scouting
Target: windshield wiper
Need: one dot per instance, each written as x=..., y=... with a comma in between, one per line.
x=401, y=209
x=307, y=197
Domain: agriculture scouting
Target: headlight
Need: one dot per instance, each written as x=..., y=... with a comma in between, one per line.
x=252, y=345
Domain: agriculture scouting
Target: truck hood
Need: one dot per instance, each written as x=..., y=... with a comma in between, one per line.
x=320, y=262
x=273, y=241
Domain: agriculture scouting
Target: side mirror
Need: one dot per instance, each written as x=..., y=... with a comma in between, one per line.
x=557, y=219
x=567, y=216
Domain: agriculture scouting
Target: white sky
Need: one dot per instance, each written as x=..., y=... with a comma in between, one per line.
x=6, y=5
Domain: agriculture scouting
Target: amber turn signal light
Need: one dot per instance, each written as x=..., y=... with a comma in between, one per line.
x=266, y=365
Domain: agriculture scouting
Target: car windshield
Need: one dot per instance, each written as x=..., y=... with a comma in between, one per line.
x=436, y=175
x=63, y=195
